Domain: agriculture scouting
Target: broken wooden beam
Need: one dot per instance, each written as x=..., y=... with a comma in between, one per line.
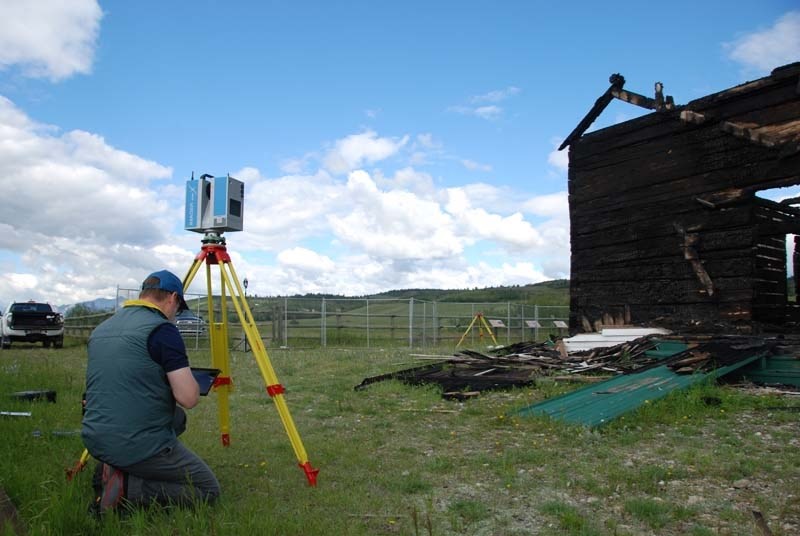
x=617, y=81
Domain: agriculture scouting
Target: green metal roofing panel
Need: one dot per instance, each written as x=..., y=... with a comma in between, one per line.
x=667, y=349
x=597, y=404
x=778, y=369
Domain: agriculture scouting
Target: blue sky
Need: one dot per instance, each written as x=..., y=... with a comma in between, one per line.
x=382, y=145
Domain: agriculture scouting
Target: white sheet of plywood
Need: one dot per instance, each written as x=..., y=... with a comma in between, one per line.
x=638, y=332
x=608, y=337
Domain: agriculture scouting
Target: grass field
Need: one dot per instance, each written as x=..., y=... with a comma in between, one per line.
x=396, y=459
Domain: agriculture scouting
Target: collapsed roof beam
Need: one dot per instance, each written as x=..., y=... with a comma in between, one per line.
x=617, y=81
x=615, y=91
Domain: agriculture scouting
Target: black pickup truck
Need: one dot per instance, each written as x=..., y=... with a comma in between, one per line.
x=32, y=322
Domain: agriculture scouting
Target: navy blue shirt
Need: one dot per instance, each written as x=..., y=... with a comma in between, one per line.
x=166, y=348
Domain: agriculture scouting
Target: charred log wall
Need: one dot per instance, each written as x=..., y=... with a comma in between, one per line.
x=665, y=226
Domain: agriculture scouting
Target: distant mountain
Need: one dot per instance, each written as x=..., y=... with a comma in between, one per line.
x=97, y=305
x=554, y=292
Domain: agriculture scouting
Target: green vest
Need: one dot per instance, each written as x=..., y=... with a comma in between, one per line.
x=129, y=402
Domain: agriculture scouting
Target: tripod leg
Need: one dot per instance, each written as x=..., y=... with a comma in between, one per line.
x=274, y=388
x=489, y=329
x=467, y=331
x=218, y=334
x=198, y=261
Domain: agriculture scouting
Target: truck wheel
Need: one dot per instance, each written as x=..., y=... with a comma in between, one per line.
x=46, y=343
x=5, y=343
x=58, y=343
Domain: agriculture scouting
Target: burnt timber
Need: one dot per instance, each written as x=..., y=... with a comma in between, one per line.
x=666, y=224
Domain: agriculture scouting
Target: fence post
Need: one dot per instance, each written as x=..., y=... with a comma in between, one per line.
x=424, y=322
x=508, y=317
x=323, y=326
x=367, y=322
x=472, y=331
x=536, y=318
x=286, y=322
x=435, y=324
x=411, y=322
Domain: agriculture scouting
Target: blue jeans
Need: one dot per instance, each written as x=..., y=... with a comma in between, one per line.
x=176, y=475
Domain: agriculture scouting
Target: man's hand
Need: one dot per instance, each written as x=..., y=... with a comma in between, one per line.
x=184, y=387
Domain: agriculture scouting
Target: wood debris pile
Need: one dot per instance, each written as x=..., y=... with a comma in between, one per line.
x=620, y=359
x=522, y=363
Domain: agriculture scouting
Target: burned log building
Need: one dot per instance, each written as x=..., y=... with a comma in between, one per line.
x=667, y=226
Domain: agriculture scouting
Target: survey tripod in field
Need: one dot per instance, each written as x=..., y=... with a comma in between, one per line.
x=481, y=321
x=214, y=252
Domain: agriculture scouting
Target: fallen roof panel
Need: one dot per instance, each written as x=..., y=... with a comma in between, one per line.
x=596, y=405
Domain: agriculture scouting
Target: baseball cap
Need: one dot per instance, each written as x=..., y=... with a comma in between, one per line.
x=169, y=282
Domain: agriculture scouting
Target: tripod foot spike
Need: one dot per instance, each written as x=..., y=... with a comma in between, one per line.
x=311, y=473
x=226, y=440
x=72, y=471
x=79, y=465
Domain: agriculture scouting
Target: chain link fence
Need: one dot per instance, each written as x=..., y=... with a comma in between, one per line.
x=370, y=322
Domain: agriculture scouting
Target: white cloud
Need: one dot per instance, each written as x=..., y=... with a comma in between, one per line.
x=510, y=231
x=409, y=179
x=559, y=159
x=79, y=213
x=496, y=95
x=104, y=217
x=478, y=107
x=12, y=284
x=49, y=38
x=75, y=184
x=475, y=166
x=766, y=49
x=484, y=112
x=287, y=209
x=394, y=224
x=356, y=150
x=425, y=148
x=554, y=206
x=249, y=175
x=305, y=260
x=488, y=112
x=427, y=141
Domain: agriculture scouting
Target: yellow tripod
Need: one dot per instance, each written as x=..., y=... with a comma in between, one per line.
x=214, y=251
x=481, y=325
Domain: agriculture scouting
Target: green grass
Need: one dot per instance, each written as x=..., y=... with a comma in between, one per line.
x=396, y=459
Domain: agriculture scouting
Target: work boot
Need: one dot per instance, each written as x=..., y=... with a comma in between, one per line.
x=114, y=483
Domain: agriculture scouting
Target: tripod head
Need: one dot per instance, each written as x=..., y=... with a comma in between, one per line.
x=213, y=237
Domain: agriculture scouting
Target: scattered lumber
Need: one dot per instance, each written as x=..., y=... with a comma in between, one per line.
x=468, y=372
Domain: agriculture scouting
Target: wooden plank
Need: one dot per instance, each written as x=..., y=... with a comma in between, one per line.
x=767, y=229
x=741, y=266
x=621, y=227
x=676, y=314
x=746, y=165
x=655, y=248
x=740, y=103
x=783, y=112
x=714, y=160
x=634, y=98
x=664, y=291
